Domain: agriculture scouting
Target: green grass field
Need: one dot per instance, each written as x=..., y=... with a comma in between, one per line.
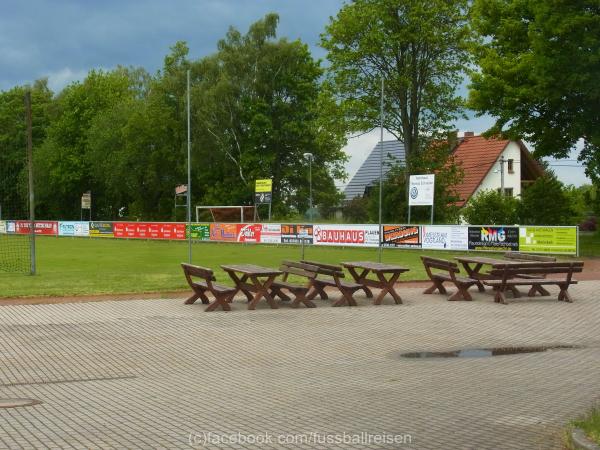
x=80, y=266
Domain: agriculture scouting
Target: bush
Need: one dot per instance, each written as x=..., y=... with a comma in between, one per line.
x=491, y=208
x=547, y=202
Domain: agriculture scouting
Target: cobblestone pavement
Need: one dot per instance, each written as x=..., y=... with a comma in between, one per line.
x=160, y=374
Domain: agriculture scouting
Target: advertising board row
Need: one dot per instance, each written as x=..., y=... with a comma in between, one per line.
x=435, y=237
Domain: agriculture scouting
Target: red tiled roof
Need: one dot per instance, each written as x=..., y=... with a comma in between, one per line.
x=476, y=155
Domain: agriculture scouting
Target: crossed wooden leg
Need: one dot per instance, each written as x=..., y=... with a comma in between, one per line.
x=262, y=290
x=462, y=292
x=198, y=294
x=317, y=289
x=387, y=286
x=437, y=284
x=359, y=279
x=564, y=295
x=537, y=288
x=221, y=300
x=301, y=298
x=499, y=296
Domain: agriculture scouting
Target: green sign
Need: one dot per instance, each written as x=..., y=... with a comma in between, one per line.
x=200, y=231
x=548, y=240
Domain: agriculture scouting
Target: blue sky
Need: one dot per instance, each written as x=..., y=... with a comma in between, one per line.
x=63, y=39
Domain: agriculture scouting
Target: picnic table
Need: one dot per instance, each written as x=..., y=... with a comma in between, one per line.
x=249, y=278
x=387, y=275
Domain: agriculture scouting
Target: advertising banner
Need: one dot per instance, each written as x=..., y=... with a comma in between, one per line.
x=270, y=233
x=148, y=230
x=200, y=231
x=494, y=238
x=351, y=235
x=226, y=232
x=401, y=236
x=11, y=226
x=548, y=240
x=48, y=228
x=445, y=237
x=295, y=234
x=74, y=229
x=2, y=226
x=249, y=232
x=101, y=229
x=421, y=190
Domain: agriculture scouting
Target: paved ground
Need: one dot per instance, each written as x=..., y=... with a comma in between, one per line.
x=160, y=374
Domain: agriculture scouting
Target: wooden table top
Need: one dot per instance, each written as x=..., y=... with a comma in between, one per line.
x=490, y=261
x=250, y=269
x=375, y=266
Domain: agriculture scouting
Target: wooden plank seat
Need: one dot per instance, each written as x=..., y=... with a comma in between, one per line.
x=329, y=275
x=298, y=290
x=508, y=276
x=447, y=272
x=222, y=294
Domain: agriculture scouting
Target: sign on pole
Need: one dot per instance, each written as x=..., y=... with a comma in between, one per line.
x=421, y=190
x=263, y=194
x=86, y=200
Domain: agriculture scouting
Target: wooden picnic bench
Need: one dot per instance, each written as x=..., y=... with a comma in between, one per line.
x=318, y=285
x=447, y=271
x=298, y=290
x=250, y=278
x=519, y=256
x=222, y=294
x=387, y=275
x=511, y=275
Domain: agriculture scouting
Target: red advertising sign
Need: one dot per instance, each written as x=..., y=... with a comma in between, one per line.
x=249, y=232
x=223, y=232
x=46, y=228
x=147, y=230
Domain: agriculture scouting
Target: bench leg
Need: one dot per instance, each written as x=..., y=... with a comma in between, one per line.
x=515, y=292
x=301, y=298
x=317, y=290
x=277, y=291
x=222, y=301
x=462, y=293
x=192, y=299
x=437, y=284
x=499, y=297
x=346, y=298
x=564, y=295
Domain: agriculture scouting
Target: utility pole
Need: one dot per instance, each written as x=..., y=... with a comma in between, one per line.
x=189, y=173
x=381, y=171
x=30, y=175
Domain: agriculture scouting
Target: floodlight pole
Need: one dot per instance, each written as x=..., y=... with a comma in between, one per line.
x=310, y=158
x=381, y=172
x=30, y=176
x=189, y=173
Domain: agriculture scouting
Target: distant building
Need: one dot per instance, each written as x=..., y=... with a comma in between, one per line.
x=480, y=158
x=368, y=174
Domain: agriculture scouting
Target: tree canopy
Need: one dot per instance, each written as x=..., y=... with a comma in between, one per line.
x=537, y=75
x=420, y=49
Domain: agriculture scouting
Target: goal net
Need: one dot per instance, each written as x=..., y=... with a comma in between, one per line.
x=239, y=214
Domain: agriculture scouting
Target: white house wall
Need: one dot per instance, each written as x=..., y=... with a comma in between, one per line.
x=511, y=180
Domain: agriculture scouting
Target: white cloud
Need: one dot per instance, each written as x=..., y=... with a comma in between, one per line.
x=61, y=78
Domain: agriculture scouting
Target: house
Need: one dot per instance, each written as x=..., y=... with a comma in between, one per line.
x=487, y=164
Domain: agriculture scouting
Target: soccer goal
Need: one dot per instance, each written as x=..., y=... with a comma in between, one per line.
x=239, y=214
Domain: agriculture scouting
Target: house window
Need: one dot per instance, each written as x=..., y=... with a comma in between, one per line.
x=511, y=166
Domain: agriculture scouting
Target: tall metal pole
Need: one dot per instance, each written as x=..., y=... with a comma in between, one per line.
x=310, y=187
x=189, y=173
x=381, y=172
x=30, y=175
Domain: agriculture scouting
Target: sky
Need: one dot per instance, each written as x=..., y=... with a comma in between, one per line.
x=63, y=39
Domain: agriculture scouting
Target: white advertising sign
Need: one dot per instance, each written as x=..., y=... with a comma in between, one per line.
x=421, y=190
x=354, y=235
x=2, y=227
x=73, y=228
x=445, y=237
x=271, y=233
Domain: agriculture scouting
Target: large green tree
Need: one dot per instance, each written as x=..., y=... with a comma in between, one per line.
x=420, y=49
x=258, y=107
x=539, y=64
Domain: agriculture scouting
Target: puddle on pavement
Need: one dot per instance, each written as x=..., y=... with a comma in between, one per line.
x=486, y=352
x=17, y=402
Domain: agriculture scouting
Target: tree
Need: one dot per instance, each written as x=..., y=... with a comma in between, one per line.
x=419, y=47
x=547, y=202
x=258, y=108
x=539, y=63
x=490, y=207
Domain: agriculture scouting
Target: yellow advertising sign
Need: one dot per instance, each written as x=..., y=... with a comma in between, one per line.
x=263, y=185
x=548, y=240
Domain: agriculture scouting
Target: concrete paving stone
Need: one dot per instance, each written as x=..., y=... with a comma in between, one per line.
x=148, y=373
